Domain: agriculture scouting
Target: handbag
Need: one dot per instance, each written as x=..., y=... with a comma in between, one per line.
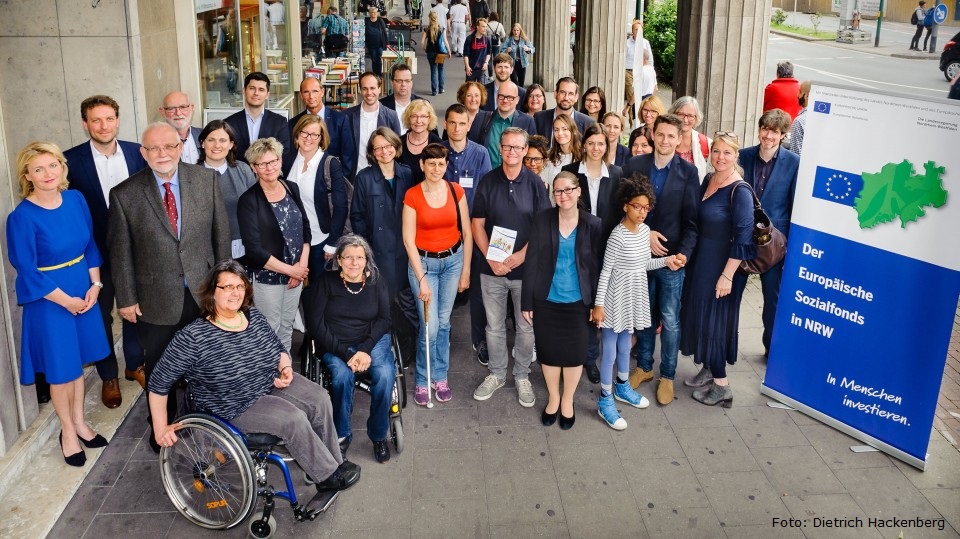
x=442, y=44
x=771, y=243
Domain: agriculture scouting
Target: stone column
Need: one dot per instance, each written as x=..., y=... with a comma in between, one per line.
x=601, y=46
x=720, y=58
x=504, y=9
x=552, y=59
x=523, y=11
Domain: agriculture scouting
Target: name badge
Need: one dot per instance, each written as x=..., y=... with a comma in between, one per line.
x=466, y=182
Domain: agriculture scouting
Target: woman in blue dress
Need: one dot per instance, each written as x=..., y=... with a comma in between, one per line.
x=50, y=242
x=710, y=308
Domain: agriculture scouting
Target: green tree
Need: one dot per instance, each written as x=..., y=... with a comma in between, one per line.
x=660, y=29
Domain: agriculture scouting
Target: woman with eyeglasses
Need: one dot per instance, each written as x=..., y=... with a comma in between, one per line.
x=276, y=234
x=537, y=150
x=710, y=306
x=322, y=181
x=348, y=314
x=560, y=276
x=594, y=103
x=421, y=122
x=564, y=149
x=534, y=100
x=623, y=301
x=694, y=147
x=436, y=233
x=650, y=108
x=617, y=153
x=217, y=144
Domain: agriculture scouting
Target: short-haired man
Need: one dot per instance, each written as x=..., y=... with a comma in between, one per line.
x=459, y=22
x=920, y=14
x=673, y=231
x=502, y=71
x=566, y=92
x=364, y=118
x=507, y=197
x=487, y=130
x=782, y=91
x=255, y=121
x=97, y=166
x=468, y=162
x=334, y=30
x=311, y=92
x=168, y=225
x=177, y=110
x=401, y=81
x=772, y=172
x=476, y=53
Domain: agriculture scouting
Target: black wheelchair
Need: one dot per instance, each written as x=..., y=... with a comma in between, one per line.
x=214, y=474
x=311, y=367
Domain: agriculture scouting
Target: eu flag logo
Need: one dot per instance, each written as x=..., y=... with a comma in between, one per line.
x=837, y=186
x=821, y=106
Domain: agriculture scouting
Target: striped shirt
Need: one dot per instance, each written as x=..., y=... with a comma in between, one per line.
x=622, y=291
x=228, y=371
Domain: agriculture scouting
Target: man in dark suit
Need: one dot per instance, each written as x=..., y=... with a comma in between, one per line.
x=486, y=132
x=168, y=227
x=311, y=91
x=96, y=167
x=177, y=110
x=502, y=70
x=772, y=172
x=673, y=231
x=566, y=92
x=255, y=121
x=401, y=82
x=364, y=118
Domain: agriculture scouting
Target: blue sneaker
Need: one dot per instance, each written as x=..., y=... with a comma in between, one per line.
x=609, y=413
x=624, y=393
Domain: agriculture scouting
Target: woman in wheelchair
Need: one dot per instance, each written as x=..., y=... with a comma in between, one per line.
x=238, y=371
x=348, y=314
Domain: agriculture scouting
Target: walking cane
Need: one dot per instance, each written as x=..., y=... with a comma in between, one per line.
x=426, y=335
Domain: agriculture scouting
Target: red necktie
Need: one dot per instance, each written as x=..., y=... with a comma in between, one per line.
x=171, y=203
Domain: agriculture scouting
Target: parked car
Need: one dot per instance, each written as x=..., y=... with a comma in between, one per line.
x=950, y=58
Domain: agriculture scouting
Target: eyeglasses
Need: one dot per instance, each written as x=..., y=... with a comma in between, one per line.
x=266, y=164
x=507, y=98
x=309, y=136
x=730, y=134
x=385, y=147
x=233, y=287
x=593, y=101
x=639, y=207
x=181, y=108
x=686, y=116
x=594, y=144
x=533, y=160
x=419, y=116
x=645, y=112
x=170, y=148
x=507, y=148
x=567, y=192
x=353, y=259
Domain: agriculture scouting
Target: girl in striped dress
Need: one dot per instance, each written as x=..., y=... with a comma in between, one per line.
x=623, y=304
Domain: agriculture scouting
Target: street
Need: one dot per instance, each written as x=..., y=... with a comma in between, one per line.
x=844, y=64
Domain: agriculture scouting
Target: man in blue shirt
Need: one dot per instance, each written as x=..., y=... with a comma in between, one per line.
x=507, y=197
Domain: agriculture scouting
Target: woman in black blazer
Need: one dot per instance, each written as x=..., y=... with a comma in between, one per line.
x=560, y=277
x=276, y=235
x=606, y=178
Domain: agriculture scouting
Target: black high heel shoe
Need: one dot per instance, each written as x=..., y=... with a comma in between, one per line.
x=566, y=423
x=76, y=459
x=549, y=419
x=97, y=441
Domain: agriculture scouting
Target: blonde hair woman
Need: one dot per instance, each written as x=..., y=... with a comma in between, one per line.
x=434, y=42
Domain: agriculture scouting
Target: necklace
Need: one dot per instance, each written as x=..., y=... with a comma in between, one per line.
x=412, y=143
x=217, y=321
x=345, y=285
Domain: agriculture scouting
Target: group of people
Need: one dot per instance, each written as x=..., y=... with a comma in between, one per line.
x=209, y=240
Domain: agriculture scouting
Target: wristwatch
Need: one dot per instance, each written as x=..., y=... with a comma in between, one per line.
x=97, y=284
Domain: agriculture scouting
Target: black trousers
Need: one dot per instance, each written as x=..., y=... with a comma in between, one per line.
x=155, y=337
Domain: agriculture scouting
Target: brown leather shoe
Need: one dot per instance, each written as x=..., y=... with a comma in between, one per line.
x=639, y=376
x=111, y=393
x=137, y=374
x=665, y=392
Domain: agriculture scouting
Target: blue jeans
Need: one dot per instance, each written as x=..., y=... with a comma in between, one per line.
x=616, y=350
x=665, y=289
x=382, y=372
x=443, y=277
x=436, y=76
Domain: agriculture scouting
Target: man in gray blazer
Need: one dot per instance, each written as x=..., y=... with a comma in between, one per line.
x=168, y=227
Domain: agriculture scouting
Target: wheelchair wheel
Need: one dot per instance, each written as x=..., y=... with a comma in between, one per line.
x=208, y=474
x=398, y=434
x=400, y=385
x=260, y=529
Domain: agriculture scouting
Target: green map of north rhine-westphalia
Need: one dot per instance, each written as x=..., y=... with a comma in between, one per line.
x=897, y=191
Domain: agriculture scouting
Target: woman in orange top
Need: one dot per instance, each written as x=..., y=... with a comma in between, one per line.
x=436, y=234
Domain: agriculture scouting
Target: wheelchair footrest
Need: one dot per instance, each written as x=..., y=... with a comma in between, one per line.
x=320, y=503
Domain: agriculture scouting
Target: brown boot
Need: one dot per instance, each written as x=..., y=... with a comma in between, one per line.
x=110, y=393
x=639, y=376
x=665, y=391
x=137, y=374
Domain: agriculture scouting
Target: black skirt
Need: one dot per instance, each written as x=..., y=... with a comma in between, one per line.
x=560, y=331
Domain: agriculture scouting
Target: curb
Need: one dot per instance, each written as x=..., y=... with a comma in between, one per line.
x=846, y=46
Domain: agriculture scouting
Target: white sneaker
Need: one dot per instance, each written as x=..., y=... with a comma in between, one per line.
x=525, y=393
x=486, y=388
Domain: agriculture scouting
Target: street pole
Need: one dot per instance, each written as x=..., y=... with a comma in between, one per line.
x=933, y=34
x=876, y=39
